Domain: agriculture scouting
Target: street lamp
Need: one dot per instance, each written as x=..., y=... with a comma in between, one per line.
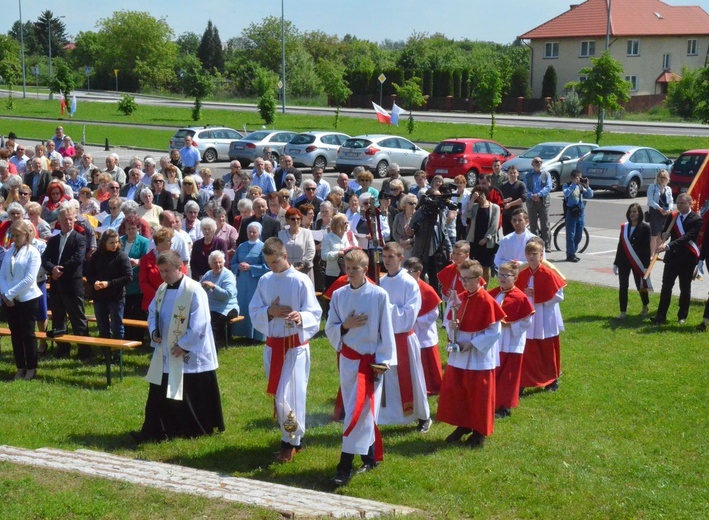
x=22, y=49
x=602, y=115
x=283, y=57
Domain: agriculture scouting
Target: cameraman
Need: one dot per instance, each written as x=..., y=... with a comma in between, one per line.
x=574, y=193
x=428, y=224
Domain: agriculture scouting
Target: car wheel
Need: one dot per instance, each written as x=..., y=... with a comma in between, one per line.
x=633, y=188
x=382, y=169
x=555, y=181
x=472, y=177
x=423, y=164
x=320, y=162
x=210, y=155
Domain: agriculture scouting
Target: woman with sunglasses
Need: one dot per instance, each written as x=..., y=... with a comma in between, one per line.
x=299, y=243
x=190, y=193
x=53, y=199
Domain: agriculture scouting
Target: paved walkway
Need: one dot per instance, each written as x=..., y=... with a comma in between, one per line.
x=290, y=502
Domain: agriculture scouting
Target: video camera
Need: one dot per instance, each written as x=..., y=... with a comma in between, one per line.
x=435, y=204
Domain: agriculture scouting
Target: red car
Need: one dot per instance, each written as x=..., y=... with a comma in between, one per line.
x=467, y=157
x=685, y=168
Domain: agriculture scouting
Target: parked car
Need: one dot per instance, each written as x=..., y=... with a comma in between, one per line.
x=559, y=159
x=251, y=146
x=212, y=141
x=628, y=169
x=377, y=152
x=315, y=149
x=685, y=168
x=467, y=157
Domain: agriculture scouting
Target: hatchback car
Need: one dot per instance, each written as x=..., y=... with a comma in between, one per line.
x=559, y=159
x=685, y=168
x=377, y=152
x=467, y=157
x=627, y=169
x=251, y=146
x=212, y=141
x=315, y=149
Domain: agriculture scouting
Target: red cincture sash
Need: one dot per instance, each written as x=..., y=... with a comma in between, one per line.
x=633, y=257
x=678, y=231
x=279, y=346
x=406, y=388
x=365, y=390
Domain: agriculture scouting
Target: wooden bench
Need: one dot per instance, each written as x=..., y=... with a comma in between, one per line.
x=90, y=341
x=127, y=322
x=228, y=327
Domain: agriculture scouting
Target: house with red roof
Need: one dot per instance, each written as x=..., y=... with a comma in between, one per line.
x=652, y=39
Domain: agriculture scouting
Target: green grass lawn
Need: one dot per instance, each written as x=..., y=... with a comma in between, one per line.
x=624, y=437
x=173, y=118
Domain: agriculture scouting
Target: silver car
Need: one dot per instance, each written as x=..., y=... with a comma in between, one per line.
x=628, y=169
x=251, y=146
x=212, y=141
x=559, y=159
x=377, y=152
x=315, y=149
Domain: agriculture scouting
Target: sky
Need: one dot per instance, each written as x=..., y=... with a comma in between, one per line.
x=498, y=21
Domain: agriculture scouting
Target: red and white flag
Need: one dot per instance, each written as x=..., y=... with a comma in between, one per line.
x=62, y=102
x=382, y=115
x=699, y=191
x=395, y=111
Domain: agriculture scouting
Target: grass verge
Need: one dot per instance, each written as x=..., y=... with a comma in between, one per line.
x=624, y=437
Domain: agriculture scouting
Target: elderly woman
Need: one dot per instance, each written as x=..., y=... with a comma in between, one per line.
x=220, y=285
x=327, y=211
x=299, y=243
x=85, y=195
x=148, y=275
x=233, y=178
x=484, y=223
x=176, y=160
x=242, y=191
x=102, y=192
x=245, y=209
x=401, y=232
x=207, y=181
x=333, y=248
x=21, y=296
x=249, y=266
x=136, y=247
x=41, y=151
x=162, y=197
x=219, y=197
x=202, y=248
x=659, y=202
x=255, y=192
x=353, y=209
x=12, y=184
x=148, y=211
x=55, y=196
x=190, y=193
x=294, y=192
x=365, y=180
x=108, y=272
x=16, y=213
x=308, y=211
x=115, y=215
x=67, y=148
x=34, y=212
x=24, y=194
x=224, y=231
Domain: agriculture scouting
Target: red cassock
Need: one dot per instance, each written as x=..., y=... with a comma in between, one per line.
x=541, y=363
x=508, y=374
x=430, y=356
x=448, y=276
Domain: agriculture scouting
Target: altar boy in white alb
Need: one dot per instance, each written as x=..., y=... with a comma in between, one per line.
x=404, y=384
x=360, y=329
x=285, y=309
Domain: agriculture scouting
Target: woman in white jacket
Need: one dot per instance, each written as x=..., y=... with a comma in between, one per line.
x=20, y=296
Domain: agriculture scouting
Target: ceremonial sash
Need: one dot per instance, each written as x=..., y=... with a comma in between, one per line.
x=633, y=257
x=177, y=328
x=406, y=388
x=678, y=231
x=365, y=390
x=279, y=346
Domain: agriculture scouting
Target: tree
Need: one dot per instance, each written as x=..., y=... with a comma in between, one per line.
x=262, y=42
x=519, y=83
x=411, y=95
x=702, y=86
x=332, y=76
x=63, y=80
x=488, y=93
x=29, y=35
x=48, y=22
x=549, y=83
x=188, y=43
x=210, y=51
x=604, y=87
x=197, y=84
x=301, y=78
x=10, y=74
x=682, y=96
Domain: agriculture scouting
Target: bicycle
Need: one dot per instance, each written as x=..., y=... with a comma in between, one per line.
x=558, y=232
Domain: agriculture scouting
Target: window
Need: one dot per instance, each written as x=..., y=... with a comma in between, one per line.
x=633, y=82
x=551, y=50
x=691, y=47
x=480, y=147
x=588, y=48
x=633, y=48
x=665, y=62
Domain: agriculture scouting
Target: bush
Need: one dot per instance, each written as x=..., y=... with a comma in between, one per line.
x=682, y=96
x=267, y=108
x=127, y=105
x=549, y=83
x=569, y=106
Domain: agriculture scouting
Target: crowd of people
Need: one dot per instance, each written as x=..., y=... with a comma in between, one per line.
x=166, y=242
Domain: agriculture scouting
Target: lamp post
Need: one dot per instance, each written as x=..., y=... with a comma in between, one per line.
x=602, y=115
x=22, y=49
x=283, y=58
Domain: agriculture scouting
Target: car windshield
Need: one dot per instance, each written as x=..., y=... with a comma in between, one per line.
x=357, y=143
x=544, y=151
x=182, y=132
x=303, y=139
x=448, y=147
x=256, y=136
x=688, y=163
x=604, y=156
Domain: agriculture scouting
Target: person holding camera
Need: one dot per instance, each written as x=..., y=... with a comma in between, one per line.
x=574, y=193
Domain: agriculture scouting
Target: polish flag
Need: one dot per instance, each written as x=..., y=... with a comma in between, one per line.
x=382, y=115
x=395, y=111
x=699, y=191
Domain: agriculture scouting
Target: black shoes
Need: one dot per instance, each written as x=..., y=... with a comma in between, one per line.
x=501, y=413
x=342, y=478
x=476, y=440
x=458, y=434
x=552, y=387
x=702, y=327
x=658, y=321
x=368, y=466
x=424, y=425
x=573, y=259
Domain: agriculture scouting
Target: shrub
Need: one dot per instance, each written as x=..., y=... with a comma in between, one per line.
x=127, y=105
x=267, y=108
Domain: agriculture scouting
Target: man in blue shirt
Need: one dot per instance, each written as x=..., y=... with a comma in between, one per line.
x=539, y=186
x=574, y=194
x=190, y=157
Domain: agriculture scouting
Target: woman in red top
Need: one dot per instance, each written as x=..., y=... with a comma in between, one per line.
x=149, y=277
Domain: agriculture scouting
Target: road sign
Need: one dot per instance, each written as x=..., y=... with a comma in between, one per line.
x=87, y=70
x=115, y=72
x=382, y=78
x=280, y=84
